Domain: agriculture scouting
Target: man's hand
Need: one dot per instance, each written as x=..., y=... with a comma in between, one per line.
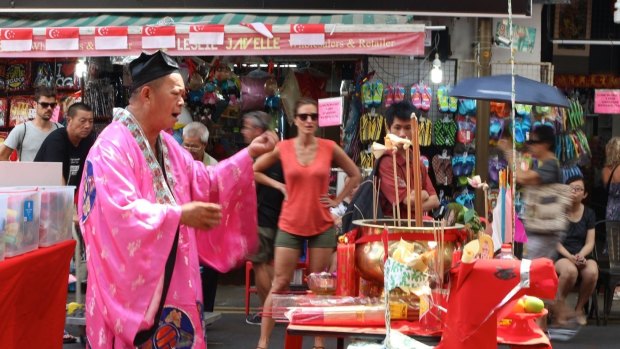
x=201, y=215
x=262, y=144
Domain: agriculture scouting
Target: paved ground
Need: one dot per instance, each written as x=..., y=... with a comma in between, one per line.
x=231, y=331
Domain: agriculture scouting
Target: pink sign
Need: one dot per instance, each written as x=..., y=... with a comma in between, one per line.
x=607, y=101
x=235, y=44
x=330, y=111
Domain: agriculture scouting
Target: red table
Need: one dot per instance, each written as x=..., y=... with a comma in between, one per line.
x=33, y=296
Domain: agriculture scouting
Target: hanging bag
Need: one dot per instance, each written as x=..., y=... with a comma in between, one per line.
x=545, y=208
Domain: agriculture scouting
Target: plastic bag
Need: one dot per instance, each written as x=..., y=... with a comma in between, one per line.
x=253, y=92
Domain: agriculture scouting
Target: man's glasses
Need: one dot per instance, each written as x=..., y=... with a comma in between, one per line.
x=191, y=147
x=304, y=117
x=46, y=105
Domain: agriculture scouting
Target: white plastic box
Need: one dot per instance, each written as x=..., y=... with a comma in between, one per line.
x=3, y=199
x=21, y=228
x=56, y=214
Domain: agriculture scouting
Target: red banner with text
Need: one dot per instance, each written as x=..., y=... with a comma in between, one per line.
x=394, y=43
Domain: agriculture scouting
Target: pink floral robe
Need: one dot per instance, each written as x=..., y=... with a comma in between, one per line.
x=128, y=237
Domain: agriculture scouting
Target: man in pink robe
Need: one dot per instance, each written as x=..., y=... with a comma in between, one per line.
x=140, y=189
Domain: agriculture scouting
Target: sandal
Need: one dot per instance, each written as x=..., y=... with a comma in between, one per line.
x=68, y=338
x=416, y=96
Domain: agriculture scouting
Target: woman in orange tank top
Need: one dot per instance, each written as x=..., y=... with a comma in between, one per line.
x=306, y=162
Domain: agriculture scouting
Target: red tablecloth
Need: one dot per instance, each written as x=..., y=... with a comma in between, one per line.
x=33, y=294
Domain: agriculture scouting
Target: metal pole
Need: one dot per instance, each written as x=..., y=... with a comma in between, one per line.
x=485, y=37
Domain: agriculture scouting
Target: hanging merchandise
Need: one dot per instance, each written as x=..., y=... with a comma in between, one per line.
x=65, y=77
x=499, y=109
x=523, y=109
x=425, y=132
x=421, y=96
x=18, y=75
x=467, y=107
x=463, y=166
x=2, y=77
x=443, y=101
x=571, y=172
x=313, y=82
x=4, y=112
x=522, y=127
x=372, y=93
x=366, y=159
x=371, y=127
x=467, y=129
x=388, y=96
x=44, y=74
x=22, y=109
x=496, y=129
x=99, y=94
x=290, y=93
x=442, y=166
x=496, y=164
x=445, y=132
x=253, y=92
x=466, y=198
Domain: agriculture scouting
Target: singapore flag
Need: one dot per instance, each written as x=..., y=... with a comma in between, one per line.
x=209, y=34
x=16, y=39
x=61, y=39
x=156, y=37
x=307, y=34
x=111, y=38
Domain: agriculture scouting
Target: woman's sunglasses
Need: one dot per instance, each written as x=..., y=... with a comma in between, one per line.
x=304, y=117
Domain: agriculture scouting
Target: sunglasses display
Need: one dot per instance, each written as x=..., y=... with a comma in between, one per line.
x=304, y=117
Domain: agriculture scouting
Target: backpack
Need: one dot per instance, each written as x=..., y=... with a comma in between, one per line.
x=361, y=205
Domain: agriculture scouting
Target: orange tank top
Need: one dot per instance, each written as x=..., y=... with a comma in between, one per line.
x=302, y=212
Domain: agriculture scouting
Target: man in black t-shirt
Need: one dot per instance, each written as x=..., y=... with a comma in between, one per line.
x=70, y=144
x=269, y=207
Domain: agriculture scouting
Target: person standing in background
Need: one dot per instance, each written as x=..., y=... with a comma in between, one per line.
x=611, y=181
x=27, y=138
x=70, y=145
x=195, y=140
x=269, y=205
x=306, y=162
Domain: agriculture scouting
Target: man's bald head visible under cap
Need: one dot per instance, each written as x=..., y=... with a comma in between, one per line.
x=147, y=68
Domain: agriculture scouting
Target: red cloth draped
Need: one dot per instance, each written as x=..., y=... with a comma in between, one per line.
x=33, y=294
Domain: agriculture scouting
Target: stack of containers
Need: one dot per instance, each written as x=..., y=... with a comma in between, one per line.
x=56, y=214
x=21, y=220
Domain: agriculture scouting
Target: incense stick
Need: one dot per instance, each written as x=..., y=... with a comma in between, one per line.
x=417, y=176
x=408, y=171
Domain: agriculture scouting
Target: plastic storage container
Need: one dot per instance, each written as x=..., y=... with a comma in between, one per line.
x=56, y=214
x=3, y=201
x=21, y=227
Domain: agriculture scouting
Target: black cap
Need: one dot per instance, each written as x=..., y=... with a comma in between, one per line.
x=147, y=68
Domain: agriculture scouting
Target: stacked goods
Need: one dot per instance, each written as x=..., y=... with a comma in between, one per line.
x=21, y=228
x=56, y=215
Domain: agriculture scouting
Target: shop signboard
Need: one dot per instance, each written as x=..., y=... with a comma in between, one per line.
x=330, y=111
x=407, y=43
x=607, y=101
x=520, y=8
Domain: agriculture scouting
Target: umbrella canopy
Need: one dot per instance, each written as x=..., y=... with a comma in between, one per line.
x=498, y=88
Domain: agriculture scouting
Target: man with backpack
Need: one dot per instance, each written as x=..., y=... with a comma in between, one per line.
x=27, y=138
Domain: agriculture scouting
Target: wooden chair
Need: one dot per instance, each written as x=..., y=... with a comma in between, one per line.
x=607, y=278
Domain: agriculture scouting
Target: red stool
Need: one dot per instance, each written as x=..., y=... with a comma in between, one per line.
x=249, y=288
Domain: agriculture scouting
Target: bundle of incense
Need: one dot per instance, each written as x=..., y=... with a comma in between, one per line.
x=417, y=185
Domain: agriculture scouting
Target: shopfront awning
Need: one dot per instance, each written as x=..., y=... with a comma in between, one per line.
x=380, y=34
